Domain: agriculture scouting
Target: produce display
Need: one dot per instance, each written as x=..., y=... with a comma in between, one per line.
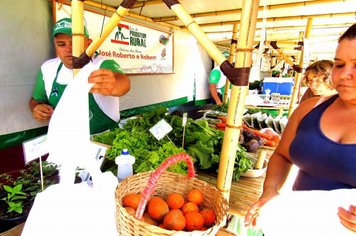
x=260, y=120
x=161, y=202
x=175, y=212
x=201, y=141
x=250, y=138
x=257, y=119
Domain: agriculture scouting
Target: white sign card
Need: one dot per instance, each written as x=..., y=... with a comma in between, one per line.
x=35, y=148
x=160, y=129
x=185, y=117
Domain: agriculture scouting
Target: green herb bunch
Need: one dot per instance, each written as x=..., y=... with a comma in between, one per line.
x=14, y=198
x=18, y=192
x=202, y=142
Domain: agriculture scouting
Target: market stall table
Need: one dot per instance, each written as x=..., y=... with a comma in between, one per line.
x=243, y=192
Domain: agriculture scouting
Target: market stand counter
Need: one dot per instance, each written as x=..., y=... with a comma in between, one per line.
x=243, y=192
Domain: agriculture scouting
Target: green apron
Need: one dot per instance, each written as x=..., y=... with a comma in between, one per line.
x=99, y=121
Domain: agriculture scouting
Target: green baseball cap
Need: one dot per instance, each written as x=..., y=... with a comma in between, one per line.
x=64, y=26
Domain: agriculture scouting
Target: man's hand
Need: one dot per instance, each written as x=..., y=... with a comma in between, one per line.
x=348, y=217
x=104, y=81
x=109, y=83
x=42, y=112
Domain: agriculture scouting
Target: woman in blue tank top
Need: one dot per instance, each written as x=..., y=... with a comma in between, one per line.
x=320, y=139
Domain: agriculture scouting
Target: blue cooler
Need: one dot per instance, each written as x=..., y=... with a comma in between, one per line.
x=281, y=85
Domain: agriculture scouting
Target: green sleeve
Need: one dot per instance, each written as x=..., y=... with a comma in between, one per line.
x=214, y=77
x=111, y=65
x=39, y=92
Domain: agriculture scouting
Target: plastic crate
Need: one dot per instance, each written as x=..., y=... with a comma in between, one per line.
x=279, y=85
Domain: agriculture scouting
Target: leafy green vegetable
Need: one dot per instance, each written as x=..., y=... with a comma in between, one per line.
x=243, y=164
x=202, y=142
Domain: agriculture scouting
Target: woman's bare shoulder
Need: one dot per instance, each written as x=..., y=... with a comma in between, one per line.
x=306, y=106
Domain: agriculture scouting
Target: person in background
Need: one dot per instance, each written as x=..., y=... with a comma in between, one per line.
x=109, y=82
x=290, y=73
x=322, y=136
x=276, y=73
x=318, y=78
x=217, y=81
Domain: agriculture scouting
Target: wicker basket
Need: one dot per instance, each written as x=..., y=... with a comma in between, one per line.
x=165, y=183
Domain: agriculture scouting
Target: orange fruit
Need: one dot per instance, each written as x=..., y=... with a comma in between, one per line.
x=174, y=220
x=162, y=226
x=131, y=211
x=196, y=196
x=157, y=208
x=175, y=200
x=209, y=217
x=131, y=200
x=194, y=221
x=203, y=228
x=189, y=206
x=146, y=218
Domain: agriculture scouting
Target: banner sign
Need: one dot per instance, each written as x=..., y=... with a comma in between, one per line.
x=137, y=49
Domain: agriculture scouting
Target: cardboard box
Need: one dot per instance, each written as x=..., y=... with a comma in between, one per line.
x=281, y=85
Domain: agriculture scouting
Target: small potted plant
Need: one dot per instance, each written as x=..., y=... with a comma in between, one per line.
x=18, y=190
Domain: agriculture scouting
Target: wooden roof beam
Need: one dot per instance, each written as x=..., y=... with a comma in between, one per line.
x=285, y=18
x=238, y=11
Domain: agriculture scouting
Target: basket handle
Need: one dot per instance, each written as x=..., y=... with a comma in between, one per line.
x=149, y=189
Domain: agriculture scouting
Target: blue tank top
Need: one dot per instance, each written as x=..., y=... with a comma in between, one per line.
x=323, y=164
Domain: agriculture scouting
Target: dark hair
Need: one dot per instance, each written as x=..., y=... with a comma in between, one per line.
x=350, y=33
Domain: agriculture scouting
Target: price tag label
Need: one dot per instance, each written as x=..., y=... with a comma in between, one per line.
x=184, y=121
x=160, y=129
x=35, y=148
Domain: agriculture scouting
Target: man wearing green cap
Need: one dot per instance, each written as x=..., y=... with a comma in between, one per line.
x=109, y=82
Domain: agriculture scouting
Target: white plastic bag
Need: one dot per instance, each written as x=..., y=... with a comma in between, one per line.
x=306, y=213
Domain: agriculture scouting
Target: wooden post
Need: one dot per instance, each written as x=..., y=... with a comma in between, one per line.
x=298, y=77
x=77, y=29
x=109, y=27
x=281, y=53
x=194, y=28
x=232, y=60
x=238, y=97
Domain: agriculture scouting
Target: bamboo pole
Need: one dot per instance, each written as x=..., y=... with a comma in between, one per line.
x=54, y=12
x=84, y=58
x=232, y=60
x=298, y=77
x=131, y=14
x=147, y=3
x=238, y=97
x=194, y=28
x=77, y=30
x=109, y=27
x=280, y=53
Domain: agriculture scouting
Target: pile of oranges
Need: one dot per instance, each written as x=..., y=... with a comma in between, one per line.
x=175, y=212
